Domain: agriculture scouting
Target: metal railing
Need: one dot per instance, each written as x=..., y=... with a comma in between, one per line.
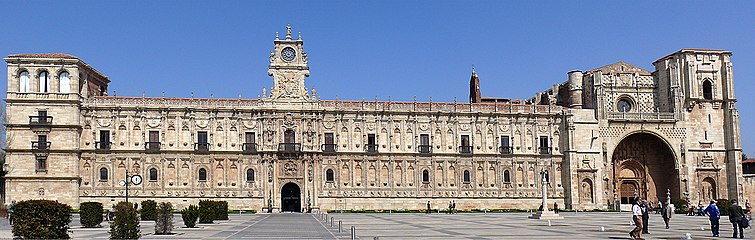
x=425, y=149
x=289, y=147
x=329, y=147
x=36, y=145
x=371, y=148
x=202, y=147
x=465, y=149
x=152, y=146
x=506, y=149
x=40, y=120
x=544, y=150
x=102, y=145
x=249, y=148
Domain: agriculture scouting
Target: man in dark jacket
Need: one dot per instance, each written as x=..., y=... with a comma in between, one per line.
x=735, y=217
x=645, y=216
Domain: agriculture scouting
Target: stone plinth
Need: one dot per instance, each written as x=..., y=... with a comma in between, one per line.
x=546, y=215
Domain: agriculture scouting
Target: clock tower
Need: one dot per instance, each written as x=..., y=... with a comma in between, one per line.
x=288, y=67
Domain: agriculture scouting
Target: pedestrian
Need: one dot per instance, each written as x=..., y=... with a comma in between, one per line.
x=736, y=216
x=450, y=207
x=453, y=206
x=111, y=212
x=645, y=208
x=667, y=212
x=555, y=207
x=136, y=206
x=636, y=233
x=748, y=208
x=11, y=210
x=714, y=215
x=428, y=207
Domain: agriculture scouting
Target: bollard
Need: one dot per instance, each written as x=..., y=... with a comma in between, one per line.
x=390, y=212
x=353, y=233
x=331, y=221
x=375, y=238
x=687, y=236
x=702, y=228
x=339, y=226
x=549, y=223
x=602, y=229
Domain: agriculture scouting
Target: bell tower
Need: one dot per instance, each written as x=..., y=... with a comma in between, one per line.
x=288, y=67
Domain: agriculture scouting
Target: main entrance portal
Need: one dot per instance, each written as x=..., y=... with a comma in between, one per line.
x=644, y=167
x=290, y=198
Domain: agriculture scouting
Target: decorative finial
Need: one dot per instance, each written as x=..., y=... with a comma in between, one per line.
x=163, y=93
x=288, y=32
x=192, y=94
x=474, y=73
x=299, y=35
x=276, y=35
x=114, y=93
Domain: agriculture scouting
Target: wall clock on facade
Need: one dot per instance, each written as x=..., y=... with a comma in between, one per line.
x=288, y=54
x=136, y=179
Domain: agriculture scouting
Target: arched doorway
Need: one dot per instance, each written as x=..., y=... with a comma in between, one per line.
x=644, y=166
x=290, y=198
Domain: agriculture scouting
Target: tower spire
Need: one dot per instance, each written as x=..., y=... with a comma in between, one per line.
x=474, y=73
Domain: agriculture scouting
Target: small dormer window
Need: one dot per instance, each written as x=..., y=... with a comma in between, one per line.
x=624, y=105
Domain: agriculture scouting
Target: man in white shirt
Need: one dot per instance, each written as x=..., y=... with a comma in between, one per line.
x=636, y=233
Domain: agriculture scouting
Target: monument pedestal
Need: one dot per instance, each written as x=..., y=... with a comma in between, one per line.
x=546, y=215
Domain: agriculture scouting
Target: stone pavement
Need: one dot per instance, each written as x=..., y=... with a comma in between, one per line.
x=418, y=226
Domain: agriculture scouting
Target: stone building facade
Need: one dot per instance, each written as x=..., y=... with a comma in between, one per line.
x=601, y=137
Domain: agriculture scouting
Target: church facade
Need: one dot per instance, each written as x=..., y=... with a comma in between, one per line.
x=595, y=141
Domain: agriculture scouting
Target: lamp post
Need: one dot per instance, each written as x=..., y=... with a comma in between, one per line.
x=135, y=179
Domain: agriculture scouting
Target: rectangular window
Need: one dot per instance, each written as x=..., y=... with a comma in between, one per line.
x=544, y=146
x=154, y=136
x=424, y=143
x=249, y=137
x=329, y=145
x=506, y=145
x=371, y=143
x=154, y=141
x=42, y=142
x=464, y=140
x=104, y=142
x=41, y=165
x=202, y=137
x=465, y=146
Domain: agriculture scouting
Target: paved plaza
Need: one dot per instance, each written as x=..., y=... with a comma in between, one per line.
x=417, y=226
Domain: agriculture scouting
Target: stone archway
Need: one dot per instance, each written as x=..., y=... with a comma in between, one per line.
x=647, y=162
x=290, y=198
x=708, y=189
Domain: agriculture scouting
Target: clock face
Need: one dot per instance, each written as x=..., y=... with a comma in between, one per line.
x=288, y=54
x=624, y=106
x=136, y=179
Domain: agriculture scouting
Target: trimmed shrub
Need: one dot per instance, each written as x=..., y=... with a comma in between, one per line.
x=164, y=222
x=41, y=219
x=190, y=215
x=149, y=210
x=206, y=211
x=126, y=224
x=221, y=210
x=681, y=206
x=723, y=206
x=91, y=214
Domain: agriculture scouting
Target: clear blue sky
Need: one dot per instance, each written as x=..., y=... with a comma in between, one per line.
x=361, y=49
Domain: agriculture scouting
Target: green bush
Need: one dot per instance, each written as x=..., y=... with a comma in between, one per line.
x=41, y=219
x=126, y=224
x=681, y=206
x=206, y=211
x=190, y=215
x=723, y=206
x=91, y=214
x=164, y=222
x=149, y=210
x=221, y=210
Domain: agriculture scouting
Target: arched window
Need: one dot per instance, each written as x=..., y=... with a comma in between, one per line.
x=425, y=176
x=707, y=90
x=329, y=175
x=467, y=179
x=153, y=174
x=202, y=174
x=103, y=174
x=44, y=81
x=23, y=85
x=506, y=176
x=250, y=175
x=65, y=82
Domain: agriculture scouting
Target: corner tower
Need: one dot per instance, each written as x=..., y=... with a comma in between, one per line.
x=288, y=67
